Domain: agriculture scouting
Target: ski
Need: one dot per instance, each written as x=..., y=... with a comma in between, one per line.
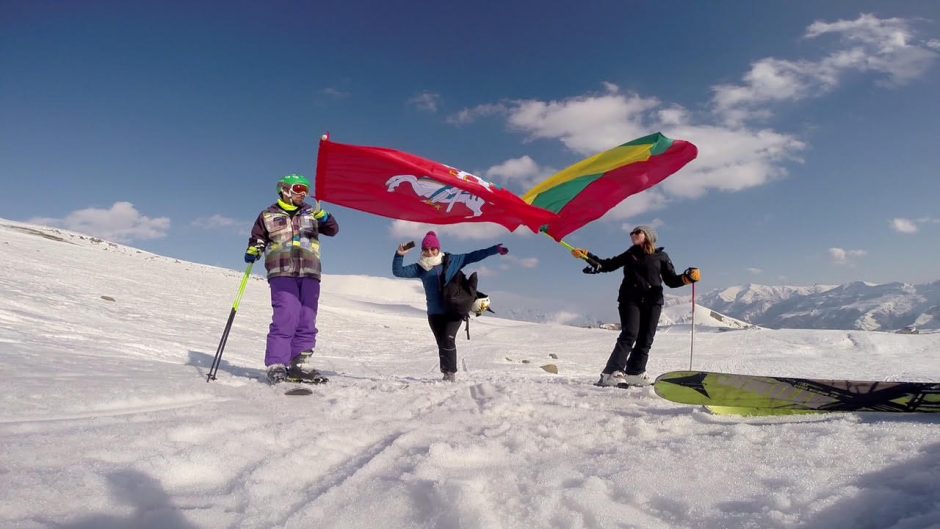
x=307, y=379
x=623, y=386
x=298, y=374
x=727, y=393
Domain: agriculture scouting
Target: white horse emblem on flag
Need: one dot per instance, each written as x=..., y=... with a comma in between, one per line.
x=439, y=195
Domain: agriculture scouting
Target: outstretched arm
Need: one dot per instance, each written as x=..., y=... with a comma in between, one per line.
x=326, y=222
x=456, y=261
x=603, y=265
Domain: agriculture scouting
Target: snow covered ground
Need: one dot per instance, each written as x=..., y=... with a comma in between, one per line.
x=107, y=421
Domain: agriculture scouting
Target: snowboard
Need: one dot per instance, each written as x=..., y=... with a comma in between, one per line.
x=727, y=393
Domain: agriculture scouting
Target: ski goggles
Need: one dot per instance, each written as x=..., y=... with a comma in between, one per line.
x=299, y=189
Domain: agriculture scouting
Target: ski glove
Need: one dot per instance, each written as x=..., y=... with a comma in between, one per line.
x=253, y=253
x=691, y=275
x=322, y=215
x=593, y=260
x=591, y=270
x=501, y=250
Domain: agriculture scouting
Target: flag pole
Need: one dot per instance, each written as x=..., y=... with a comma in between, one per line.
x=570, y=248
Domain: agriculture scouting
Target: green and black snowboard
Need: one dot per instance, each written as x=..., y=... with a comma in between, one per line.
x=731, y=394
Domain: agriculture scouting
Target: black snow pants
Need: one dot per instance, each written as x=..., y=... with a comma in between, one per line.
x=445, y=328
x=638, y=321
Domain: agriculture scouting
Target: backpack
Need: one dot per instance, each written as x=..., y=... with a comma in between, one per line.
x=459, y=293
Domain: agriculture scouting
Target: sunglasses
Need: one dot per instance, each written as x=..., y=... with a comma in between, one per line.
x=299, y=189
x=635, y=232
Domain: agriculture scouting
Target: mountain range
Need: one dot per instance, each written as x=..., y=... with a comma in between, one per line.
x=857, y=305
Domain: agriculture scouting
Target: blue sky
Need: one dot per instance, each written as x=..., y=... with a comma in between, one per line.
x=164, y=125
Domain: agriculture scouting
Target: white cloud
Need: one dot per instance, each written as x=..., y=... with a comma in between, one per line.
x=585, y=124
x=221, y=222
x=522, y=262
x=845, y=257
x=469, y=115
x=121, y=223
x=524, y=172
x=904, y=225
x=514, y=169
x=730, y=159
x=464, y=231
x=215, y=221
x=755, y=271
x=484, y=271
x=427, y=101
x=334, y=93
x=885, y=46
x=733, y=156
x=655, y=223
x=611, y=87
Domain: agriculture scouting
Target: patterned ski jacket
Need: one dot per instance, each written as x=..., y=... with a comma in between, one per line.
x=432, y=278
x=292, y=239
x=643, y=275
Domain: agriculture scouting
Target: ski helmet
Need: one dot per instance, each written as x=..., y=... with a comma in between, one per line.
x=481, y=305
x=286, y=184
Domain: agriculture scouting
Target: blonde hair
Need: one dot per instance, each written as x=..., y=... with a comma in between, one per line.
x=648, y=247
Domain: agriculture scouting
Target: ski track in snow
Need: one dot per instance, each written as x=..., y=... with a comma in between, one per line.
x=107, y=420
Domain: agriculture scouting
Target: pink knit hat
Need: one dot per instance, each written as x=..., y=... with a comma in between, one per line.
x=430, y=241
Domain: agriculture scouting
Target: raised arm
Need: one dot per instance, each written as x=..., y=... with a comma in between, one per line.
x=326, y=222
x=410, y=271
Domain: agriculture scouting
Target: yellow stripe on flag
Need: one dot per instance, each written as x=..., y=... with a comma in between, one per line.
x=597, y=164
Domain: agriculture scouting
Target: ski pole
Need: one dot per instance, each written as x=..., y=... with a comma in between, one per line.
x=692, y=334
x=590, y=261
x=228, y=325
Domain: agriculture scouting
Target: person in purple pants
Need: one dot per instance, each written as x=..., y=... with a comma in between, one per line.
x=287, y=235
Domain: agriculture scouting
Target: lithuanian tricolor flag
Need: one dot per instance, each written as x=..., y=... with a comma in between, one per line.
x=588, y=189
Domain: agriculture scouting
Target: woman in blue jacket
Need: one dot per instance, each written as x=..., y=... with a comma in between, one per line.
x=428, y=269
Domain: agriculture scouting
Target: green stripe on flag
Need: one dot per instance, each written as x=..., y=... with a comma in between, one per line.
x=556, y=198
x=660, y=143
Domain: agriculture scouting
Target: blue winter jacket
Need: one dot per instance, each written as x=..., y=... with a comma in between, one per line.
x=432, y=278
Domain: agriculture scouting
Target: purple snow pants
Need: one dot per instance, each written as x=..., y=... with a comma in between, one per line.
x=294, y=323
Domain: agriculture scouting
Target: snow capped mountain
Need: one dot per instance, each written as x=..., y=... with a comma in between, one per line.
x=856, y=305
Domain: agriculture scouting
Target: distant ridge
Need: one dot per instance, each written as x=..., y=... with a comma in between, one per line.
x=858, y=305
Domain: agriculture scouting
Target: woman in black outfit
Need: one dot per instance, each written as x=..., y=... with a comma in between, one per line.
x=645, y=269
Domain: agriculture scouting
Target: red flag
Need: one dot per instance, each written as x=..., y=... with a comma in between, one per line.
x=402, y=186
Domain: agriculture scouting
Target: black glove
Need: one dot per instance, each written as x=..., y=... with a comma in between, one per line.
x=591, y=270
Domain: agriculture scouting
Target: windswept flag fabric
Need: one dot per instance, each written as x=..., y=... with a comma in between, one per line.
x=403, y=186
x=590, y=188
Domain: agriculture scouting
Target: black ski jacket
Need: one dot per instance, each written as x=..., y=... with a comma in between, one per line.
x=643, y=275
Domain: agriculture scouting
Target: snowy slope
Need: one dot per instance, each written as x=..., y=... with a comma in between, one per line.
x=106, y=420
